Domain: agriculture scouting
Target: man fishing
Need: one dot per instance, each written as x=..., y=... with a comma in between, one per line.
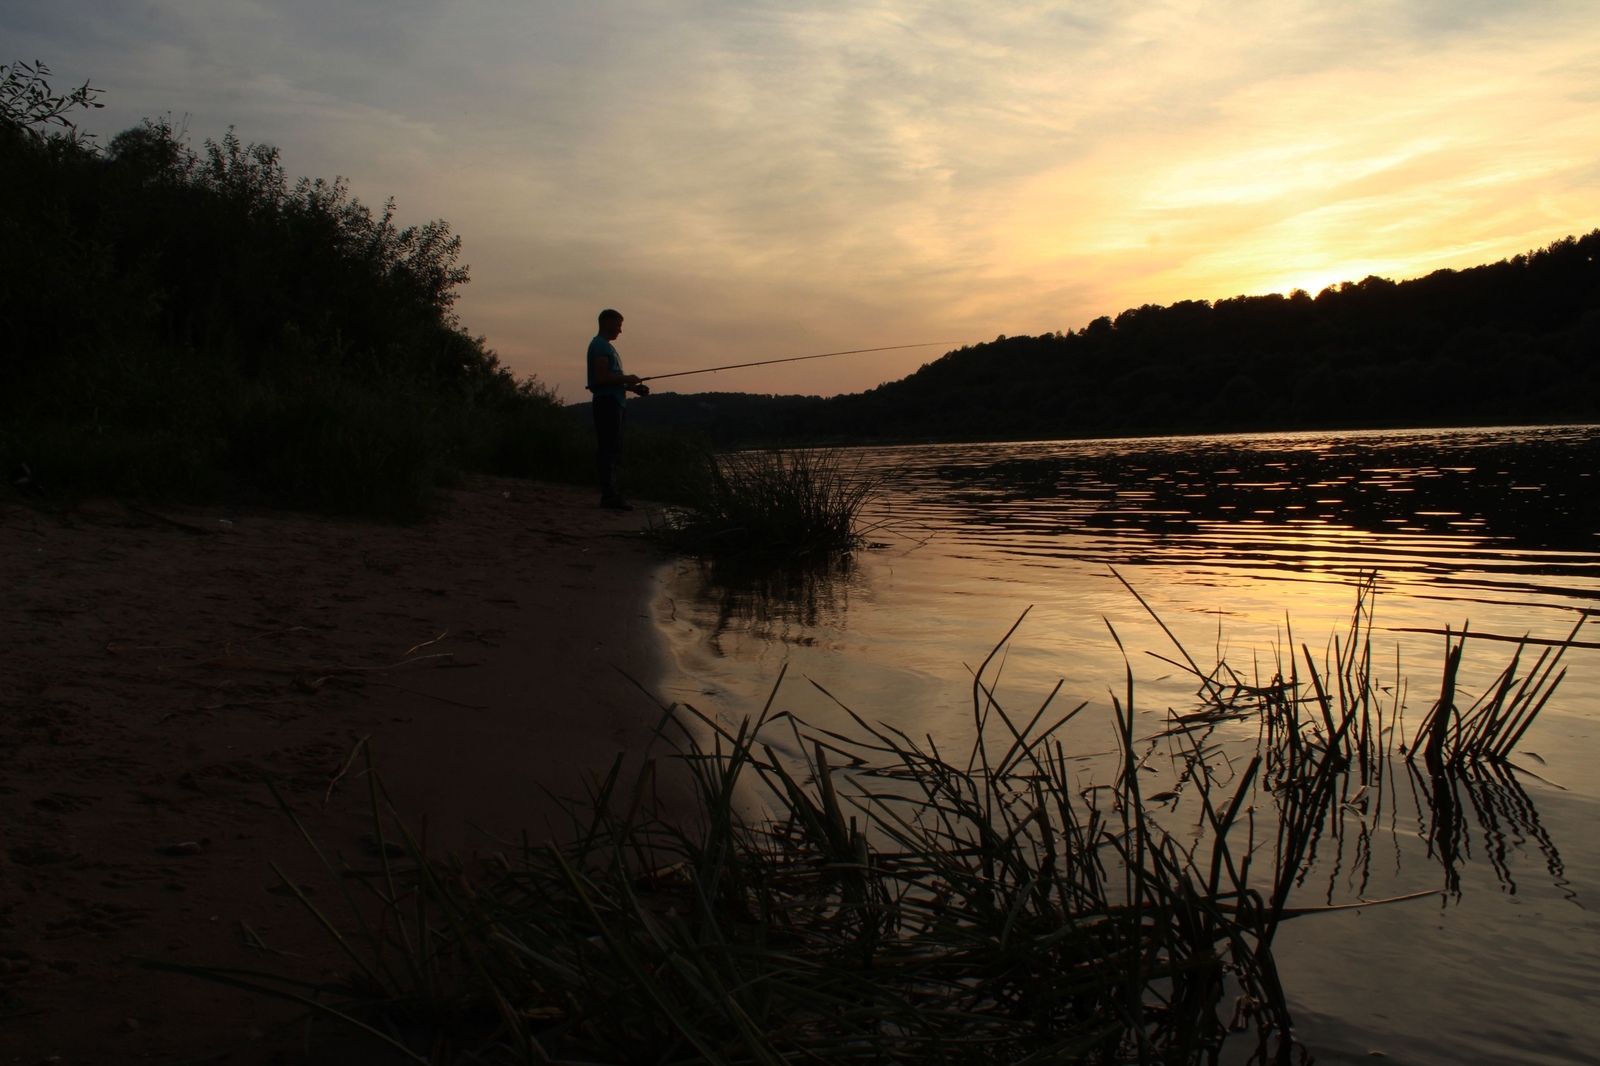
x=610, y=387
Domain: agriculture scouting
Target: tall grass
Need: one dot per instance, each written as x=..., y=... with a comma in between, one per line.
x=856, y=894
x=890, y=905
x=774, y=503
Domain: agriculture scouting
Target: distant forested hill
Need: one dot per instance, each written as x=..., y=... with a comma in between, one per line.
x=1516, y=341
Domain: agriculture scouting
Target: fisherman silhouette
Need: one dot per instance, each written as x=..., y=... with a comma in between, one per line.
x=610, y=387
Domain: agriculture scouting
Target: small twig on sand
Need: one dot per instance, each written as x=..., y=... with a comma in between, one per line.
x=252, y=939
x=431, y=696
x=251, y=662
x=418, y=647
x=333, y=781
x=185, y=526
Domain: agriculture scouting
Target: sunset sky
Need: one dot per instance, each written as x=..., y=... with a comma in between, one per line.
x=760, y=180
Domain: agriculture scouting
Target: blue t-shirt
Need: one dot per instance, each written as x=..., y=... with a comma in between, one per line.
x=601, y=346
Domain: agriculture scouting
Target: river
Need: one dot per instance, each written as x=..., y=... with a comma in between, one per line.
x=1242, y=547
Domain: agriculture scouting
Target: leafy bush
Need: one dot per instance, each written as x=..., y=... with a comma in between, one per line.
x=28, y=104
x=186, y=323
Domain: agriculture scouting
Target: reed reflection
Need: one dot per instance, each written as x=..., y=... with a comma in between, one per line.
x=783, y=601
x=1490, y=797
x=1466, y=751
x=1322, y=767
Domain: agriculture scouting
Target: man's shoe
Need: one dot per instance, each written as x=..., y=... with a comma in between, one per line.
x=618, y=504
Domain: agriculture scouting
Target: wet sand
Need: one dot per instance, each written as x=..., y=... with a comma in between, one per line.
x=161, y=662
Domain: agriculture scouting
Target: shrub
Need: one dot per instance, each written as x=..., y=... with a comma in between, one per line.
x=773, y=503
x=231, y=329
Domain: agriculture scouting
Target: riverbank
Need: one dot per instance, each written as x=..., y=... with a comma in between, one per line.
x=160, y=662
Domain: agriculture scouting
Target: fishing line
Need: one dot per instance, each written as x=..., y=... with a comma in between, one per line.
x=792, y=359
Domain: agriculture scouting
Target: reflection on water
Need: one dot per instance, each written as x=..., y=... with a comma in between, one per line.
x=1230, y=539
x=1489, y=509
x=774, y=602
x=1486, y=796
x=1461, y=785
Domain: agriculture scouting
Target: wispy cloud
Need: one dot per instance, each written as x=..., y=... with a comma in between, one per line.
x=749, y=179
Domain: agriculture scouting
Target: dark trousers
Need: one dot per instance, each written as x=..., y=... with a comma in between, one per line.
x=608, y=439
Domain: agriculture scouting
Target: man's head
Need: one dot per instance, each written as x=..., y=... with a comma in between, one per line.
x=610, y=324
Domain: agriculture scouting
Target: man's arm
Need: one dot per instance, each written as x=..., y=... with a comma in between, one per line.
x=600, y=370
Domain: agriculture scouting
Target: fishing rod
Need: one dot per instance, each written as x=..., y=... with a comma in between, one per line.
x=792, y=359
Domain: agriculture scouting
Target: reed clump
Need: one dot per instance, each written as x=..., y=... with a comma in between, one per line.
x=773, y=503
x=1488, y=728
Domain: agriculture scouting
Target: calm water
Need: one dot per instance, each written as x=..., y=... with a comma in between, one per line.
x=1241, y=544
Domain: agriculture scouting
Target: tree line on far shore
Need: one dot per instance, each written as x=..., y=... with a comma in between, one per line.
x=1506, y=343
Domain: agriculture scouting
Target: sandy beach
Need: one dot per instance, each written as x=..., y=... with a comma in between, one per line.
x=161, y=662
